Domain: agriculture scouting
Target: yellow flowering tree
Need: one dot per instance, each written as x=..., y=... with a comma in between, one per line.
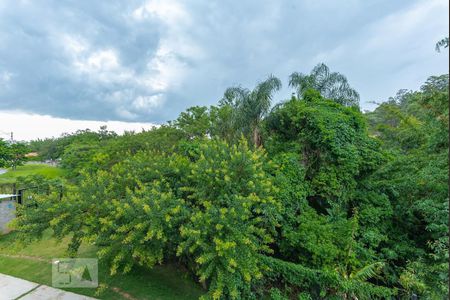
x=234, y=216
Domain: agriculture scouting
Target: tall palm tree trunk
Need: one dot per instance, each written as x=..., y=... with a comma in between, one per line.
x=256, y=137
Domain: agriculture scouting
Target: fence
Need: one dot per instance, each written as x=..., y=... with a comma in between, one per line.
x=10, y=196
x=7, y=205
x=7, y=188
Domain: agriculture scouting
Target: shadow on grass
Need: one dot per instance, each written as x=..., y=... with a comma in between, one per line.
x=33, y=262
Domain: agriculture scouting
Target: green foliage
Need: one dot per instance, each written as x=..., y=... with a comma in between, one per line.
x=195, y=122
x=326, y=159
x=233, y=218
x=416, y=182
x=331, y=85
x=276, y=294
x=141, y=227
x=250, y=107
x=53, y=148
x=38, y=209
x=90, y=151
x=76, y=157
x=313, y=239
x=4, y=153
x=151, y=204
x=320, y=284
x=12, y=154
x=223, y=122
x=332, y=144
x=161, y=139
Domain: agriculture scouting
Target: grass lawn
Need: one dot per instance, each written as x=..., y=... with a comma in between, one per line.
x=33, y=263
x=31, y=169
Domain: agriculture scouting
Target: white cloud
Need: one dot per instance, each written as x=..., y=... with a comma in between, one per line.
x=167, y=65
x=104, y=60
x=148, y=102
x=103, y=66
x=98, y=62
x=73, y=45
x=126, y=114
x=32, y=126
x=142, y=91
x=5, y=78
x=168, y=11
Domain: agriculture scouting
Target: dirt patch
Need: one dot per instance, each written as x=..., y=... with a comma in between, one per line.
x=123, y=294
x=35, y=258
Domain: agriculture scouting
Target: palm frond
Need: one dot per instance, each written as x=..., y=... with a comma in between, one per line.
x=442, y=44
x=368, y=271
x=331, y=85
x=321, y=72
x=234, y=95
x=300, y=82
x=295, y=78
x=263, y=92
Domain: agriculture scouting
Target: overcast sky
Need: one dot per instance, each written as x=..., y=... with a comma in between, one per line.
x=146, y=61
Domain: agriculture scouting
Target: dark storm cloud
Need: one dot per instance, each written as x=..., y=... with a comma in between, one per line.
x=76, y=59
x=149, y=60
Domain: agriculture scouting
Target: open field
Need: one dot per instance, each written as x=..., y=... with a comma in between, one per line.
x=30, y=169
x=33, y=263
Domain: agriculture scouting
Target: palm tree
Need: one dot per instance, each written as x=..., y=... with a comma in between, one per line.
x=442, y=44
x=250, y=107
x=331, y=85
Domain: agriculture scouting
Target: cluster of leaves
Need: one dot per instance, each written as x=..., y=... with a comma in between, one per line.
x=12, y=154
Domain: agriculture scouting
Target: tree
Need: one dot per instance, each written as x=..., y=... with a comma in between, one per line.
x=18, y=151
x=12, y=154
x=331, y=85
x=324, y=160
x=331, y=142
x=4, y=153
x=222, y=123
x=250, y=107
x=233, y=219
x=194, y=122
x=442, y=44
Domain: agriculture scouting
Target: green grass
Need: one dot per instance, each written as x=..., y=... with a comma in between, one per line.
x=31, y=169
x=33, y=262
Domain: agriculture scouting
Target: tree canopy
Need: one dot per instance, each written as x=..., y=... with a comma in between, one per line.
x=12, y=154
